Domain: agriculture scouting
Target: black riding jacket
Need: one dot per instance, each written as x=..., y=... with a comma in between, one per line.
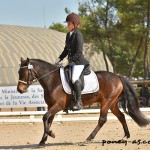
x=74, y=48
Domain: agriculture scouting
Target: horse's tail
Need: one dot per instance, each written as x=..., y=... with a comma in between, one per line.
x=129, y=100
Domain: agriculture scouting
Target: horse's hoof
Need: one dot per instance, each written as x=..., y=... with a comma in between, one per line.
x=124, y=138
x=85, y=143
x=41, y=145
x=51, y=134
x=82, y=144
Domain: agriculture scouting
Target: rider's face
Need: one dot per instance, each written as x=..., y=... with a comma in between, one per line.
x=70, y=26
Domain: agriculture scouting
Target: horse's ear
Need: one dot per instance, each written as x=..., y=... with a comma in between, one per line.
x=21, y=59
x=28, y=60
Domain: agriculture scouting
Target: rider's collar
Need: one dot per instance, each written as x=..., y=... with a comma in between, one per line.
x=71, y=32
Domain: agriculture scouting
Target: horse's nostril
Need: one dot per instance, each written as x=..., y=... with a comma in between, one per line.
x=25, y=90
x=20, y=91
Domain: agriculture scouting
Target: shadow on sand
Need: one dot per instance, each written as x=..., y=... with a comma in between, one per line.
x=35, y=146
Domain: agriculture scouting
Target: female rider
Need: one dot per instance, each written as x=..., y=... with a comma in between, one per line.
x=73, y=49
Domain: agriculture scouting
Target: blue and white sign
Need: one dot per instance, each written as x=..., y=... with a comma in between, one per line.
x=10, y=97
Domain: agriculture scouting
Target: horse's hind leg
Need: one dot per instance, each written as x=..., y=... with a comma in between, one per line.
x=101, y=122
x=115, y=110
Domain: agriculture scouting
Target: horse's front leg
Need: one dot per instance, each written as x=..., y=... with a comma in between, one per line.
x=45, y=134
x=47, y=121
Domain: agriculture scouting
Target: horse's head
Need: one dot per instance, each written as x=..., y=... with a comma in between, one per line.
x=27, y=75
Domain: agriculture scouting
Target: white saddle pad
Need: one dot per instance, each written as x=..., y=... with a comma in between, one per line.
x=90, y=81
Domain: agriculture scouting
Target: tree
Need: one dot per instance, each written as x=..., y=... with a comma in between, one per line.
x=115, y=27
x=98, y=18
x=58, y=27
x=146, y=52
x=134, y=16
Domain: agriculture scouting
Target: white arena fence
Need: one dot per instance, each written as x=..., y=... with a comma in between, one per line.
x=18, y=117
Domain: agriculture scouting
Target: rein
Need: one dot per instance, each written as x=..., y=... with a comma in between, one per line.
x=30, y=67
x=46, y=75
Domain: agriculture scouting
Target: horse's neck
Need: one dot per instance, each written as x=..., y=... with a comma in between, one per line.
x=43, y=71
x=42, y=67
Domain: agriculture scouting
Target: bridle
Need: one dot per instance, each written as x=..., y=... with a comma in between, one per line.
x=31, y=70
x=30, y=75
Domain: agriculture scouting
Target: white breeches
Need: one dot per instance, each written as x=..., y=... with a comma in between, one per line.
x=76, y=72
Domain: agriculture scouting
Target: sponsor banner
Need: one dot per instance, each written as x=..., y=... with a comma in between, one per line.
x=10, y=97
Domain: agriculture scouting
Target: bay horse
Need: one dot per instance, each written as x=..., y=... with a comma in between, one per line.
x=113, y=89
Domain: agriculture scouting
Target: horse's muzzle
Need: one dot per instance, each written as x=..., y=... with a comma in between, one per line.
x=21, y=88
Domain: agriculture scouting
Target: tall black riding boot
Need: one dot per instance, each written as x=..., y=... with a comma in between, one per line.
x=78, y=101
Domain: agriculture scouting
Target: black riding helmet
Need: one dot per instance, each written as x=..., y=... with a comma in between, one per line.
x=73, y=18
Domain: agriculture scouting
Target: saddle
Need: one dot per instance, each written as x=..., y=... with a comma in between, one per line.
x=89, y=83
